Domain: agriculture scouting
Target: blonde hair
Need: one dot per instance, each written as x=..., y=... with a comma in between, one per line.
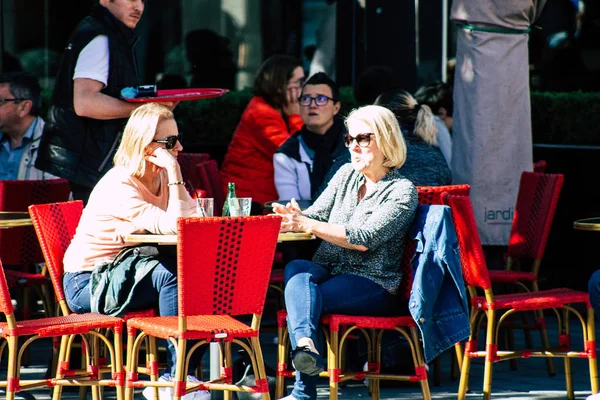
x=384, y=125
x=409, y=111
x=138, y=133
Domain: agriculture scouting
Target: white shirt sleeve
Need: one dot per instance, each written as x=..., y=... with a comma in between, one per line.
x=286, y=178
x=92, y=62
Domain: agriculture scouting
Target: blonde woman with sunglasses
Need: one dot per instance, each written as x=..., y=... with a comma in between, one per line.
x=144, y=192
x=362, y=217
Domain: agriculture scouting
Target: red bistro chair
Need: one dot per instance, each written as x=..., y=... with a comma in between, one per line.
x=19, y=246
x=55, y=225
x=187, y=163
x=494, y=309
x=433, y=194
x=61, y=327
x=210, y=180
x=534, y=211
x=224, y=275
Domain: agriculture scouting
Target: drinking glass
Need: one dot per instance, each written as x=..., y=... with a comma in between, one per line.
x=206, y=207
x=239, y=206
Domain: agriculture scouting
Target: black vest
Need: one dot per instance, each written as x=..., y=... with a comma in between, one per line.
x=77, y=148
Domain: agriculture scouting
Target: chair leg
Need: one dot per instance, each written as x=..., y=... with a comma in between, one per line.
x=132, y=363
x=464, y=371
x=227, y=363
x=567, y=360
x=63, y=355
x=117, y=362
x=152, y=350
x=491, y=346
x=260, y=365
x=333, y=364
x=456, y=362
x=180, y=378
x=12, y=372
x=376, y=354
x=281, y=362
x=592, y=359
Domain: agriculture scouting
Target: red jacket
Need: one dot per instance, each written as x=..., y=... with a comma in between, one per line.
x=249, y=159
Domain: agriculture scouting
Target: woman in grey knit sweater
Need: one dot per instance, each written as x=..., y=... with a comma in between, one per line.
x=362, y=217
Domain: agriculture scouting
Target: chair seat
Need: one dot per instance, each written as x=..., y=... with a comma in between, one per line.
x=554, y=298
x=198, y=327
x=24, y=278
x=360, y=321
x=363, y=321
x=72, y=324
x=500, y=276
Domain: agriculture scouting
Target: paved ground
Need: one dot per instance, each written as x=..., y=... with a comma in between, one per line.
x=529, y=381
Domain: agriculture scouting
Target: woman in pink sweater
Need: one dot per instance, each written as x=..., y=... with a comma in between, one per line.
x=142, y=193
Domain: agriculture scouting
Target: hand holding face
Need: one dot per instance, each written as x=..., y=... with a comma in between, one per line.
x=291, y=105
x=159, y=157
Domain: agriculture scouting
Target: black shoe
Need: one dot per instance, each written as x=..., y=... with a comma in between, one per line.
x=307, y=362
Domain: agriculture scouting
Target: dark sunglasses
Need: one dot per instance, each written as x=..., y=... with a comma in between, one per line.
x=362, y=139
x=320, y=100
x=169, y=141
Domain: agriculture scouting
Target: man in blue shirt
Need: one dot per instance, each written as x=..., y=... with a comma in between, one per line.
x=20, y=126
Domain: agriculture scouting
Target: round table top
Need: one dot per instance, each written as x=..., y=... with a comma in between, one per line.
x=11, y=219
x=587, y=224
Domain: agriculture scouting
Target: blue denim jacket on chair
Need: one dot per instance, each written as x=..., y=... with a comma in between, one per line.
x=438, y=300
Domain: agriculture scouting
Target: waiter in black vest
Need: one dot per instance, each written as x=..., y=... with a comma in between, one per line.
x=86, y=117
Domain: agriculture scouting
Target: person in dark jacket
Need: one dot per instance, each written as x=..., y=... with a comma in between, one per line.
x=303, y=161
x=86, y=117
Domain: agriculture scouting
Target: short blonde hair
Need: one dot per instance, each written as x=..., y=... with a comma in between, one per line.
x=139, y=133
x=384, y=125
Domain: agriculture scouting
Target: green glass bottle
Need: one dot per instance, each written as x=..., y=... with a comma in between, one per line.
x=230, y=194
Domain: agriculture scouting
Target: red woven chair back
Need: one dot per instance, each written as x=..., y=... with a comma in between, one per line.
x=539, y=166
x=534, y=212
x=55, y=225
x=19, y=246
x=210, y=179
x=224, y=264
x=433, y=194
x=472, y=259
x=187, y=163
x=6, y=305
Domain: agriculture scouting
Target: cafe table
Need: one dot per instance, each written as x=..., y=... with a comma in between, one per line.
x=587, y=224
x=172, y=239
x=13, y=219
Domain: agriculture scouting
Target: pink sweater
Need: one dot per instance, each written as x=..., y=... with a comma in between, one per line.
x=118, y=206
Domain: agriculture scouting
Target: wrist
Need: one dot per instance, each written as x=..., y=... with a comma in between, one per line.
x=305, y=224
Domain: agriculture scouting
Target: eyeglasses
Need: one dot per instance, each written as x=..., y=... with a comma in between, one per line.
x=2, y=101
x=362, y=139
x=170, y=141
x=320, y=100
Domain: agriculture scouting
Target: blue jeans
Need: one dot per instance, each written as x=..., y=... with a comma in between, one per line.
x=157, y=289
x=310, y=291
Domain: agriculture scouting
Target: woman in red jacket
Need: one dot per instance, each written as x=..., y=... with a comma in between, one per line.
x=270, y=118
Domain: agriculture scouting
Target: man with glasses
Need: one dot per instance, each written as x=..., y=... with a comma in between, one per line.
x=87, y=116
x=304, y=160
x=20, y=127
